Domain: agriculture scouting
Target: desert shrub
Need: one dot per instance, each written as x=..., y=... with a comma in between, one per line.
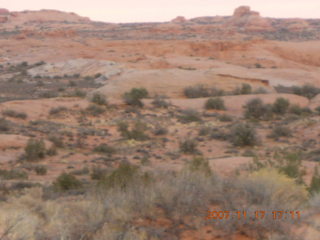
x=35, y=150
x=308, y=91
x=160, y=102
x=136, y=132
x=66, y=182
x=14, y=114
x=219, y=134
x=52, y=151
x=78, y=93
x=189, y=146
x=215, y=103
x=57, y=110
x=158, y=131
x=260, y=90
x=124, y=176
x=280, y=106
x=95, y=110
x=99, y=99
x=199, y=164
x=225, y=118
x=189, y=115
x=256, y=109
x=49, y=94
x=243, y=134
x=104, y=148
x=291, y=165
x=243, y=90
x=4, y=125
x=300, y=111
x=57, y=141
x=12, y=174
x=40, y=170
x=280, y=131
x=98, y=173
x=315, y=182
x=197, y=91
x=134, y=96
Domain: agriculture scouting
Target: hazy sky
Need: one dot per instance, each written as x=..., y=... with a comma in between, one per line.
x=164, y=10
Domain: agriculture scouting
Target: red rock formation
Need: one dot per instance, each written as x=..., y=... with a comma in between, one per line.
x=179, y=19
x=4, y=11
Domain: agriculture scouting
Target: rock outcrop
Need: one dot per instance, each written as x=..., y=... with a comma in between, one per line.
x=179, y=19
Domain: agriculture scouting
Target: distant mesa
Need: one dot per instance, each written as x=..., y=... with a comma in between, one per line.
x=179, y=19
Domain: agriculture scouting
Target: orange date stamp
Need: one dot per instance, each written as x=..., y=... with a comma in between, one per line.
x=253, y=215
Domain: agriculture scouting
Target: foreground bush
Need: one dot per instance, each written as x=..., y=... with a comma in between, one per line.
x=280, y=106
x=112, y=211
x=66, y=182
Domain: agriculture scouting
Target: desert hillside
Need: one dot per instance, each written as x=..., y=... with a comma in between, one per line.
x=135, y=131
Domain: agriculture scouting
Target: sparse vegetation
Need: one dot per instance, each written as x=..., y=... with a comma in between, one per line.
x=189, y=115
x=134, y=96
x=104, y=148
x=160, y=102
x=99, y=99
x=189, y=146
x=14, y=114
x=4, y=125
x=280, y=106
x=280, y=131
x=256, y=109
x=137, y=132
x=308, y=91
x=215, y=103
x=66, y=182
x=35, y=150
x=243, y=134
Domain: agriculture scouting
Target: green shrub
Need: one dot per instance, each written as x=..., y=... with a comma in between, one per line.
x=57, y=110
x=134, y=96
x=104, y=148
x=66, y=182
x=197, y=91
x=225, y=118
x=300, y=111
x=12, y=174
x=215, y=103
x=280, y=131
x=14, y=114
x=160, y=102
x=189, y=146
x=4, y=125
x=124, y=176
x=189, y=115
x=57, y=141
x=35, y=150
x=200, y=91
x=52, y=151
x=199, y=164
x=243, y=90
x=280, y=106
x=292, y=166
x=99, y=99
x=243, y=134
x=256, y=109
x=95, y=110
x=137, y=132
x=41, y=170
x=315, y=182
x=98, y=173
x=308, y=91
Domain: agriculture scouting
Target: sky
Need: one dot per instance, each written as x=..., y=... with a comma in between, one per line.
x=165, y=10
